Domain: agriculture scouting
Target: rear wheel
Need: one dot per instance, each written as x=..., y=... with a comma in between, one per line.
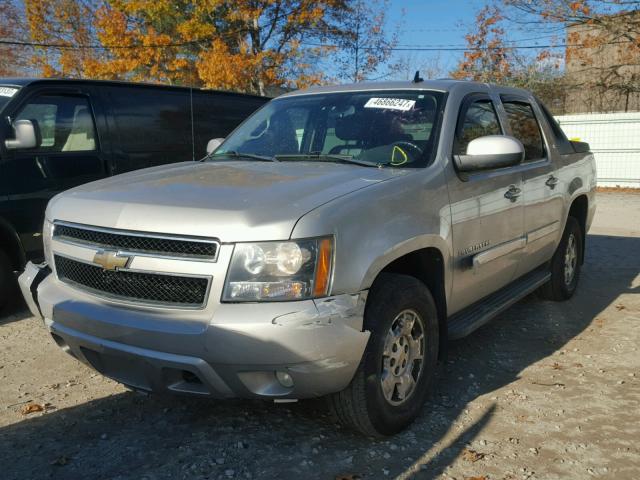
x=8, y=285
x=393, y=379
x=565, y=264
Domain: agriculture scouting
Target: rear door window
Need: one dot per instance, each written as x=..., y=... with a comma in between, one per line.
x=477, y=119
x=152, y=120
x=563, y=145
x=525, y=127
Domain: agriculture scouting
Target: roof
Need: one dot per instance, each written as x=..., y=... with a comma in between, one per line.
x=22, y=82
x=439, y=85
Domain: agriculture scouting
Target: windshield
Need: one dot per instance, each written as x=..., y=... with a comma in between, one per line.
x=374, y=128
x=6, y=93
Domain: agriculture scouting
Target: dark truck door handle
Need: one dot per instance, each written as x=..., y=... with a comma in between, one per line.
x=551, y=182
x=513, y=193
x=41, y=167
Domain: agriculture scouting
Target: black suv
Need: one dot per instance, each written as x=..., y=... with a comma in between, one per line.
x=56, y=134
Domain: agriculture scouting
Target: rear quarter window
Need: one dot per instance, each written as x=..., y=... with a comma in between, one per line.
x=152, y=120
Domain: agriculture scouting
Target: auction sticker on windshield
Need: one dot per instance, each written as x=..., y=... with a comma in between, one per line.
x=7, y=91
x=390, y=103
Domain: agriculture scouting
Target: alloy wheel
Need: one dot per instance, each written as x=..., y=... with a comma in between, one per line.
x=402, y=357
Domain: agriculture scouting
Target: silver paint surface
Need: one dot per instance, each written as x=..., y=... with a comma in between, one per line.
x=376, y=215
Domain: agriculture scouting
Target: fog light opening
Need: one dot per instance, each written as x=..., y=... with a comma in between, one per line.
x=284, y=378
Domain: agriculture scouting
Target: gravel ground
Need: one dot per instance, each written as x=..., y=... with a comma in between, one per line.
x=546, y=390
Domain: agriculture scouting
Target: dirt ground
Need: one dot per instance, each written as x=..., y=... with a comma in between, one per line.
x=545, y=391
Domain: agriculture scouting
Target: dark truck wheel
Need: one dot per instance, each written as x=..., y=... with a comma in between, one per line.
x=565, y=264
x=8, y=284
x=397, y=368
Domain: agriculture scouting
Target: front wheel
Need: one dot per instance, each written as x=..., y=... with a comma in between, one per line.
x=565, y=264
x=393, y=379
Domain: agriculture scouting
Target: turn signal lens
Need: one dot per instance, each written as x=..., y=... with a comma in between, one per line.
x=323, y=268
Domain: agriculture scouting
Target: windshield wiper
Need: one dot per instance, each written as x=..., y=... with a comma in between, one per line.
x=325, y=157
x=235, y=154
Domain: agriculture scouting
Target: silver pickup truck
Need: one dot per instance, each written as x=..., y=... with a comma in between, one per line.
x=330, y=246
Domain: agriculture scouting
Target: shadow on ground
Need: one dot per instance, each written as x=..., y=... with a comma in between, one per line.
x=129, y=436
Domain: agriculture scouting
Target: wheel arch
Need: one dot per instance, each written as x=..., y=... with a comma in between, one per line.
x=579, y=210
x=11, y=244
x=427, y=265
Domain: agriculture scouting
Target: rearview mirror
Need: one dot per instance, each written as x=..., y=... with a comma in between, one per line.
x=25, y=136
x=213, y=144
x=492, y=151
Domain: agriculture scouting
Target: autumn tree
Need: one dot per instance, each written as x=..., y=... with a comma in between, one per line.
x=486, y=59
x=365, y=43
x=245, y=45
x=602, y=64
x=64, y=28
x=13, y=58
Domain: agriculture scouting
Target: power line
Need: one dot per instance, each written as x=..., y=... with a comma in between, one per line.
x=401, y=48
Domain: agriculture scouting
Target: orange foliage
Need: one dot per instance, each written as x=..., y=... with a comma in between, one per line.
x=11, y=57
x=486, y=60
x=245, y=45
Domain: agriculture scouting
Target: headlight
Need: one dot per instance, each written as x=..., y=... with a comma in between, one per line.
x=47, y=235
x=277, y=271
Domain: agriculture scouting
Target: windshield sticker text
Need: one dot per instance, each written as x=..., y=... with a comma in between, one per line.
x=391, y=103
x=7, y=92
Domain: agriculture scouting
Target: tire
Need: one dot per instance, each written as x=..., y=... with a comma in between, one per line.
x=364, y=406
x=565, y=264
x=8, y=284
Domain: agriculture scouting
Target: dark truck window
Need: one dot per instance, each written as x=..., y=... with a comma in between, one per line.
x=525, y=128
x=215, y=115
x=63, y=123
x=153, y=126
x=478, y=120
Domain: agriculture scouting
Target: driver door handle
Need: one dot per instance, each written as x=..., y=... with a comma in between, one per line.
x=41, y=167
x=513, y=193
x=551, y=182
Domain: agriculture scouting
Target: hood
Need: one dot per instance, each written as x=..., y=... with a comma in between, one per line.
x=231, y=201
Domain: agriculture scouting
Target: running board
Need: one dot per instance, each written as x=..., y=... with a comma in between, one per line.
x=473, y=317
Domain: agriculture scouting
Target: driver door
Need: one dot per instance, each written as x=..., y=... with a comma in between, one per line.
x=67, y=154
x=486, y=212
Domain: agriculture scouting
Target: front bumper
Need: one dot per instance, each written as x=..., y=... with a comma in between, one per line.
x=233, y=352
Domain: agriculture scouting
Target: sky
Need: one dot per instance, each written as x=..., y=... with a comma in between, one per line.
x=438, y=23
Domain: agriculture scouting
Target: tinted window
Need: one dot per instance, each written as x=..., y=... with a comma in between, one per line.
x=6, y=93
x=562, y=142
x=525, y=128
x=62, y=123
x=153, y=120
x=478, y=120
x=216, y=114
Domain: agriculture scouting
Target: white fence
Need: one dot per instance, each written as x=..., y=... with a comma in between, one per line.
x=615, y=142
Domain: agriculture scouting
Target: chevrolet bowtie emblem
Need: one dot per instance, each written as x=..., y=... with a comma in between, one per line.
x=110, y=259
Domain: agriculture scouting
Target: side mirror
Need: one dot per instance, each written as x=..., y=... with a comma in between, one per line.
x=213, y=144
x=25, y=136
x=492, y=151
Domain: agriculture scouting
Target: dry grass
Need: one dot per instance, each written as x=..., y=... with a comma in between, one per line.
x=617, y=190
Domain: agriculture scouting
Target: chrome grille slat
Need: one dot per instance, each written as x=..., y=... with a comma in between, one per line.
x=145, y=287
x=150, y=244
